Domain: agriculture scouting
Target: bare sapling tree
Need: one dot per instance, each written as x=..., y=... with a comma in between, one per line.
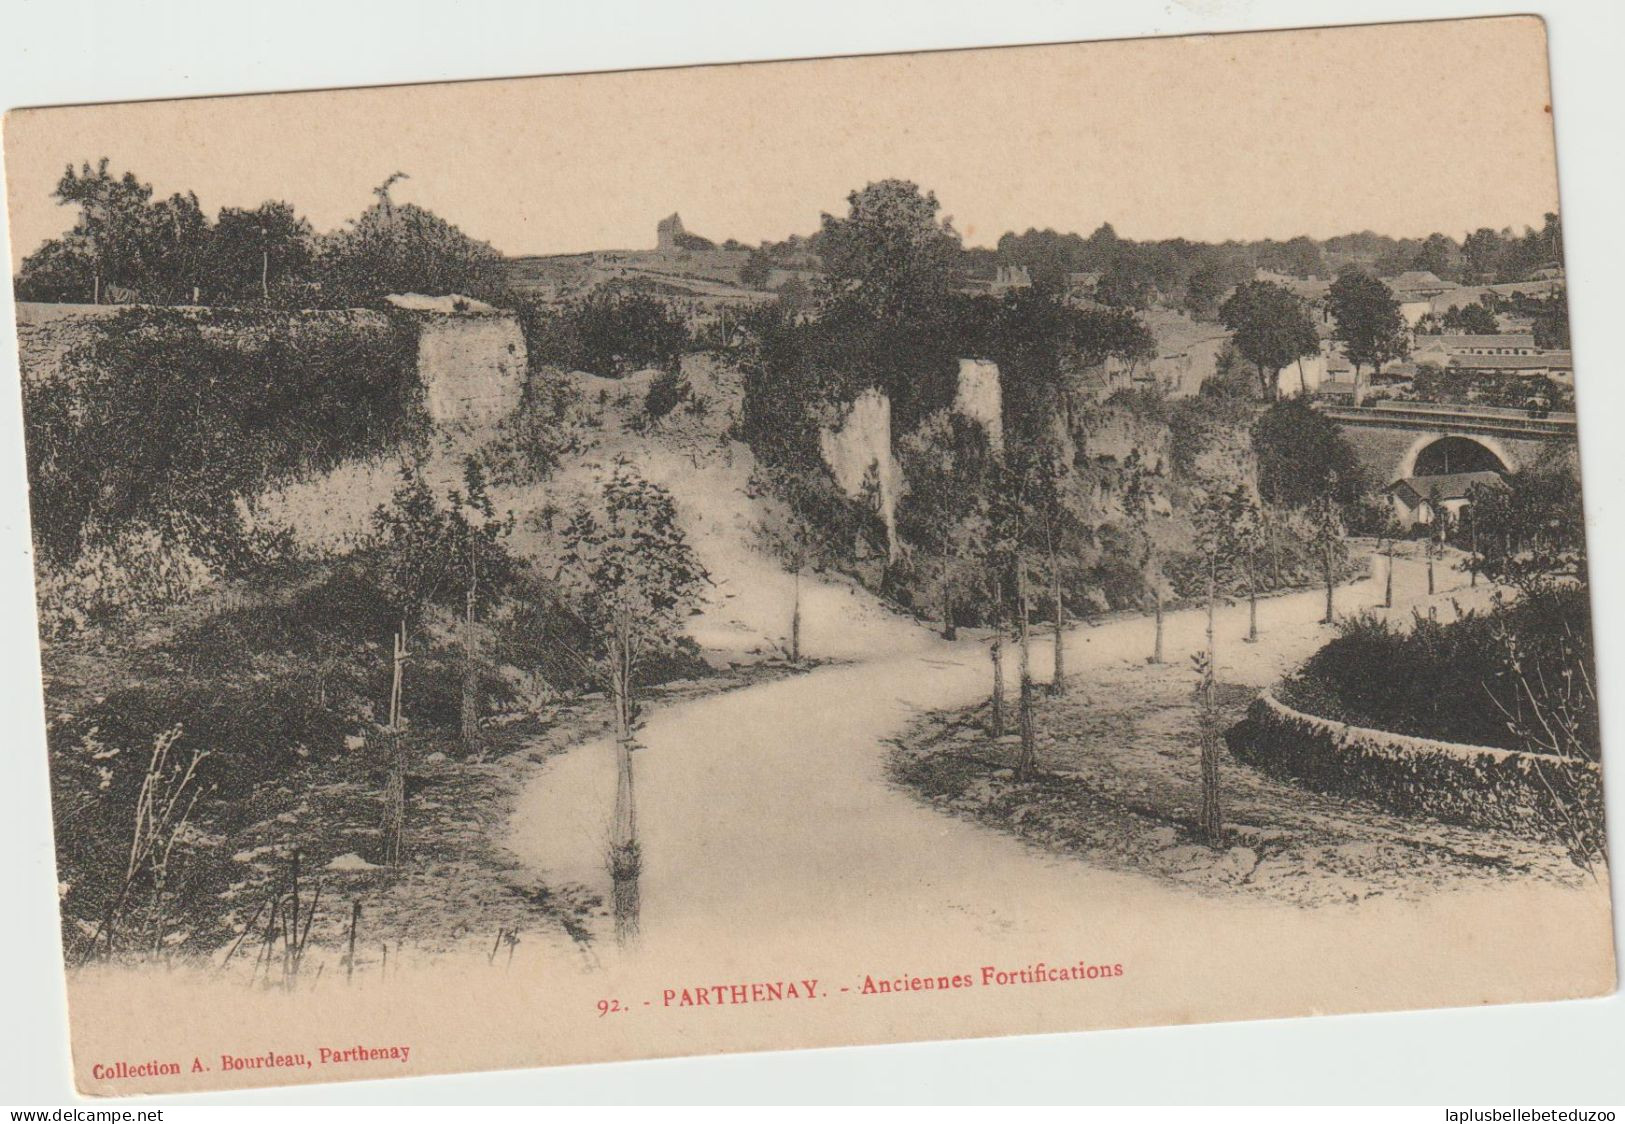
x=1330, y=539
x=1223, y=536
x=1248, y=535
x=487, y=568
x=1145, y=504
x=1388, y=575
x=1008, y=527
x=1057, y=679
x=1440, y=519
x=1029, y=751
x=395, y=752
x=784, y=535
x=1064, y=528
x=1472, y=545
x=996, y=655
x=634, y=579
x=413, y=538
x=435, y=555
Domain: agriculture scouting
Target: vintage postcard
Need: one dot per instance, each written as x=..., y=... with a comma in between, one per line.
x=784, y=555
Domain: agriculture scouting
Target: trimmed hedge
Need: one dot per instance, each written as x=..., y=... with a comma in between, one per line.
x=1526, y=793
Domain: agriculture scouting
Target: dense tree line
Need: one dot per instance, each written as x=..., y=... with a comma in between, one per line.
x=125, y=246
x=1195, y=276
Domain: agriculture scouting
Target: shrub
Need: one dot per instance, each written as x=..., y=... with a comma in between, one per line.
x=166, y=421
x=552, y=422
x=666, y=391
x=611, y=331
x=122, y=574
x=1459, y=681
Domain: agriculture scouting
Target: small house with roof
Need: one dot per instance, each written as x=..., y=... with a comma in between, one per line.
x=1414, y=497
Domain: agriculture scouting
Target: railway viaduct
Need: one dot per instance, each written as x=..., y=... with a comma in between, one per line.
x=1395, y=440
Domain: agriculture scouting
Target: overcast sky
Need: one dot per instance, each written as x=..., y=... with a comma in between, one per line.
x=1403, y=129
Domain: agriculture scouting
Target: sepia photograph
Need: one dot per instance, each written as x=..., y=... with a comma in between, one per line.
x=816, y=553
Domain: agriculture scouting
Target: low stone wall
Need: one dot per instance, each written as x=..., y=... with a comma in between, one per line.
x=1526, y=793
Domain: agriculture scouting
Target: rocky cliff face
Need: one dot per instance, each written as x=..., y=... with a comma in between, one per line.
x=858, y=452
x=980, y=398
x=472, y=369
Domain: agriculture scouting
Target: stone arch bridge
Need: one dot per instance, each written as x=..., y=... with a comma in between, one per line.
x=1395, y=440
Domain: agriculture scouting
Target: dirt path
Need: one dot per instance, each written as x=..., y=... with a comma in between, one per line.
x=768, y=810
x=1119, y=782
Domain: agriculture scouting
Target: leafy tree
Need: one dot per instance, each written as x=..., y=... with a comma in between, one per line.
x=1272, y=329
x=113, y=224
x=629, y=568
x=757, y=268
x=402, y=248
x=1530, y=534
x=634, y=578
x=1215, y=274
x=450, y=554
x=947, y=462
x=1368, y=321
x=178, y=244
x=1481, y=253
x=1039, y=341
x=1302, y=455
x=120, y=239
x=1434, y=383
x=1551, y=322
x=1144, y=501
x=1474, y=320
x=1125, y=283
x=1437, y=256
x=1047, y=256
x=891, y=253
x=1296, y=257
x=253, y=254
x=62, y=270
x=612, y=331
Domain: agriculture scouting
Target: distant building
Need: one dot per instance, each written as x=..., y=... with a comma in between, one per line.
x=1457, y=297
x=1448, y=346
x=1417, y=284
x=1083, y=282
x=1011, y=277
x=1556, y=365
x=1415, y=290
x=672, y=238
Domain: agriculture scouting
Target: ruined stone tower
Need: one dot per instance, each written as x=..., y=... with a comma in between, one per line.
x=669, y=233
